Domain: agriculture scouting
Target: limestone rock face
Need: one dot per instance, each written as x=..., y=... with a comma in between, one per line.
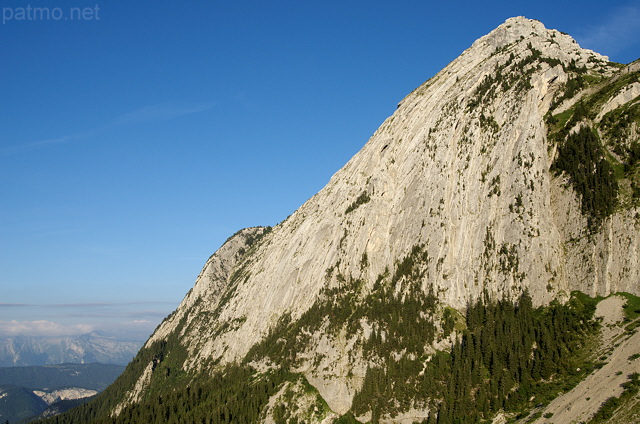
x=462, y=169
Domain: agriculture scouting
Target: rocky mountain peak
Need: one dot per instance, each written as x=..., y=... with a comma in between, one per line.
x=460, y=171
x=531, y=31
x=493, y=180
x=513, y=30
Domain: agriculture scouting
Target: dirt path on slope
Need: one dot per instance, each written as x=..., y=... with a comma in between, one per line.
x=584, y=400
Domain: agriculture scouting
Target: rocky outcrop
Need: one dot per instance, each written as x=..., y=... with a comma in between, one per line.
x=53, y=396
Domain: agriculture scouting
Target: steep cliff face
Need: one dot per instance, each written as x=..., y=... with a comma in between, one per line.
x=468, y=190
x=462, y=168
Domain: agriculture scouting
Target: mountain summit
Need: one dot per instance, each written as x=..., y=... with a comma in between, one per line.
x=456, y=260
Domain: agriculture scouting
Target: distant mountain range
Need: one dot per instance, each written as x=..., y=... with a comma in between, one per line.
x=83, y=349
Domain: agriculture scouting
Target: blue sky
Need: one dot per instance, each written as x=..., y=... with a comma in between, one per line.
x=137, y=136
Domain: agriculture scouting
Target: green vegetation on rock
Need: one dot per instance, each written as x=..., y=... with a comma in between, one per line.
x=601, y=157
x=582, y=158
x=510, y=357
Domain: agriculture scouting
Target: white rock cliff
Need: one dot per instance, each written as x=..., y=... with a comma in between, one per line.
x=463, y=168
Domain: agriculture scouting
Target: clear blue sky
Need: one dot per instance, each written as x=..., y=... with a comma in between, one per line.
x=136, y=138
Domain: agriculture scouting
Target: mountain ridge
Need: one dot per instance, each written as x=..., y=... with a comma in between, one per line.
x=392, y=220
x=51, y=350
x=328, y=238
x=492, y=191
